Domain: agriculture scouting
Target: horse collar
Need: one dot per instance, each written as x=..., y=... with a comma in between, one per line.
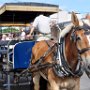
x=64, y=69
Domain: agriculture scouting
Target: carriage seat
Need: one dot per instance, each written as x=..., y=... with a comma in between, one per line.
x=21, y=55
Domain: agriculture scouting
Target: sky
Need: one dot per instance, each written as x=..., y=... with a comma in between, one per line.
x=81, y=6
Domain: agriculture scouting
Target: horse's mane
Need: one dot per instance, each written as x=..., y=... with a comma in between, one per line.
x=66, y=30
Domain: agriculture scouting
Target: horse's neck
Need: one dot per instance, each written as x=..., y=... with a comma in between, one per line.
x=70, y=51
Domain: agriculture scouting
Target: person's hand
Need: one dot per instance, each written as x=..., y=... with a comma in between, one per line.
x=29, y=36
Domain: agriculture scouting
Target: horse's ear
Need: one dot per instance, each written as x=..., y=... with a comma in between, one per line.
x=74, y=19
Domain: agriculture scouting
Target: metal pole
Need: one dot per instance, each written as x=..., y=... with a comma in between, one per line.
x=8, y=68
x=8, y=82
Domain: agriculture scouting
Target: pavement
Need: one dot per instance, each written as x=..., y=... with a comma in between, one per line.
x=84, y=85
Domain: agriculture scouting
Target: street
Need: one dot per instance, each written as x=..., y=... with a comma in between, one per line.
x=84, y=83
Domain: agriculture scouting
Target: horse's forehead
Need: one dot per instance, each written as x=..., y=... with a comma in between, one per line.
x=85, y=37
x=79, y=32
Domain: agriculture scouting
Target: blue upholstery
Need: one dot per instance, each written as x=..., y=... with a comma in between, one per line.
x=22, y=54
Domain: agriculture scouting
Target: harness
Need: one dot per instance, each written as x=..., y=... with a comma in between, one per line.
x=63, y=69
x=39, y=64
x=60, y=65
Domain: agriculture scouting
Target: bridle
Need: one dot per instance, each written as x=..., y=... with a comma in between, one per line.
x=75, y=38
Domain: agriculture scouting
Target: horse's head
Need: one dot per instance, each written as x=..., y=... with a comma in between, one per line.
x=81, y=36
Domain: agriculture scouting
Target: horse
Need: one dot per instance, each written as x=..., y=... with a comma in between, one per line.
x=62, y=63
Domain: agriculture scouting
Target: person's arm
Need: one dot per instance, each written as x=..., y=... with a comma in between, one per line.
x=31, y=31
x=30, y=34
x=34, y=25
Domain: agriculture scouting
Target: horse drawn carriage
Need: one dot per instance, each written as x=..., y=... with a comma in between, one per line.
x=60, y=63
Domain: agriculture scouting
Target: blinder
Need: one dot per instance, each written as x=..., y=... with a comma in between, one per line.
x=87, y=33
x=73, y=35
x=76, y=28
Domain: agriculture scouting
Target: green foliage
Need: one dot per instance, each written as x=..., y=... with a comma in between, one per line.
x=9, y=30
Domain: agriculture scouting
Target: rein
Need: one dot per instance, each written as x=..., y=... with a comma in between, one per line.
x=38, y=65
x=83, y=50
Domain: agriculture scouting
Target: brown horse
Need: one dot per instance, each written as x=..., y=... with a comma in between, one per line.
x=63, y=71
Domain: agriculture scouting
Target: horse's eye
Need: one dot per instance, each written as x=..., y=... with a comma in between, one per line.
x=78, y=38
x=80, y=28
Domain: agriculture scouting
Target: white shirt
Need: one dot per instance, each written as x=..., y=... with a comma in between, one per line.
x=42, y=23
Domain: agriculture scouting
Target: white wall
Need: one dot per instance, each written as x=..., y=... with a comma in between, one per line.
x=63, y=16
